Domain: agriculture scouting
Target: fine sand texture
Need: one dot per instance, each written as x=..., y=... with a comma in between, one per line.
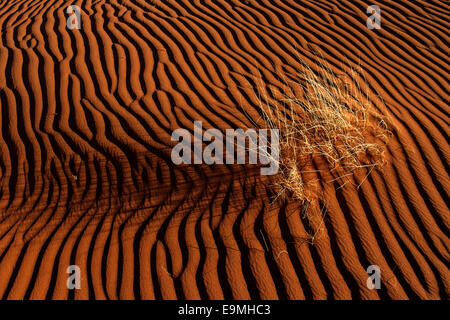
x=86, y=176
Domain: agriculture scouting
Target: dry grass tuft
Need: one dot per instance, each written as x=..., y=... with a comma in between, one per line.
x=326, y=121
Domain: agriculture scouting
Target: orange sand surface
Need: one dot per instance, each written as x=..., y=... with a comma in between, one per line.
x=86, y=176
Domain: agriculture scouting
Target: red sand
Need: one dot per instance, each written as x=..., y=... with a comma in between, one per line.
x=85, y=171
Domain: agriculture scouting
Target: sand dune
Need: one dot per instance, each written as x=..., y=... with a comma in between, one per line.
x=86, y=176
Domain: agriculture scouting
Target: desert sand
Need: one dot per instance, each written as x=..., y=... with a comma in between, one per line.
x=86, y=176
